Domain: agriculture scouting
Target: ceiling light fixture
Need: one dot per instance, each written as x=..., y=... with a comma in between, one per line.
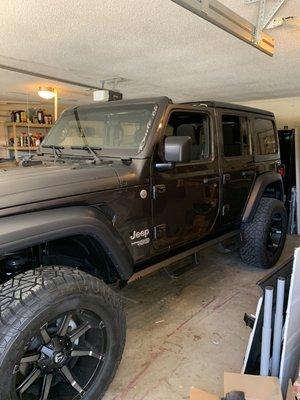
x=46, y=93
x=49, y=93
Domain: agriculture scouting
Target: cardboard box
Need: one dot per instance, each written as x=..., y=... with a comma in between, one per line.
x=197, y=394
x=255, y=387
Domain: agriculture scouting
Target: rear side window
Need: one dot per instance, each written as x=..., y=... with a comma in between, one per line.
x=265, y=134
x=235, y=136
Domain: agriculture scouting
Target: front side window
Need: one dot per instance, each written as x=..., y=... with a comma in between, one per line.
x=115, y=127
x=195, y=125
x=265, y=136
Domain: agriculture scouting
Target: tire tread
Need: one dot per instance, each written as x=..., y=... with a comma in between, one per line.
x=254, y=234
x=20, y=293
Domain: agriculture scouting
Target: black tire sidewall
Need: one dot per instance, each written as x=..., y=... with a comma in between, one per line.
x=46, y=307
x=254, y=234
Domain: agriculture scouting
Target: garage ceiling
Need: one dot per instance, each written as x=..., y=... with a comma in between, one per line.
x=157, y=47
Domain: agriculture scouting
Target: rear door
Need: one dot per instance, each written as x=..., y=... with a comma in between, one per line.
x=238, y=168
x=186, y=197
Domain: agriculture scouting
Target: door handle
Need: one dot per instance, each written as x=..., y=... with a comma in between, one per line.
x=210, y=180
x=158, y=189
x=246, y=174
x=226, y=178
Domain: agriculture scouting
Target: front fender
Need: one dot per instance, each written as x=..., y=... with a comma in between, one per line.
x=26, y=230
x=257, y=191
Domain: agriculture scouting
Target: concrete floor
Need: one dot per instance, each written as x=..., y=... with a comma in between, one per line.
x=187, y=331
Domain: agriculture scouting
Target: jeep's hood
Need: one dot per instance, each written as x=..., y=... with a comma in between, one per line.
x=20, y=186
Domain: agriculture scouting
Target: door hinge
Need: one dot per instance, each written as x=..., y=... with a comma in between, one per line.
x=225, y=209
x=158, y=189
x=159, y=231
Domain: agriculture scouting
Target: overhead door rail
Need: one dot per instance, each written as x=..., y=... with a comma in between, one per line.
x=263, y=18
x=226, y=19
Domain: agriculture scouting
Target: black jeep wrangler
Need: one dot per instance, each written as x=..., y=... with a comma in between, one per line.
x=118, y=190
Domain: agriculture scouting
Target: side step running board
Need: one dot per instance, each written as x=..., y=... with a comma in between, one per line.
x=180, y=256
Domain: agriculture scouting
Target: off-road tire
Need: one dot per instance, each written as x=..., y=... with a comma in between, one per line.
x=31, y=298
x=254, y=234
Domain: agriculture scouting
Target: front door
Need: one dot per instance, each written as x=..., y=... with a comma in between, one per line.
x=186, y=197
x=238, y=169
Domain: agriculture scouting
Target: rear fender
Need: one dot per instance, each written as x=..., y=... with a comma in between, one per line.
x=260, y=185
x=23, y=231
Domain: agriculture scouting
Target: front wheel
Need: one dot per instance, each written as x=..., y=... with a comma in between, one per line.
x=62, y=334
x=263, y=238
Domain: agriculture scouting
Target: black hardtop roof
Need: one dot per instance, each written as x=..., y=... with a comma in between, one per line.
x=229, y=106
x=107, y=104
x=163, y=100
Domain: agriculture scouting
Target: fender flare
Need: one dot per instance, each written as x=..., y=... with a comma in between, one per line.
x=261, y=182
x=22, y=231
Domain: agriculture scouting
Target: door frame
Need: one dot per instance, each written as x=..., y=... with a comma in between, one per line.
x=214, y=150
x=246, y=122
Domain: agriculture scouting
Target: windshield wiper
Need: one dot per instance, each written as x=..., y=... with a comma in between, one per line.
x=86, y=144
x=56, y=150
x=91, y=150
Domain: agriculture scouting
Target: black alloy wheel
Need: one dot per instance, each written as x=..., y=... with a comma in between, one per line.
x=275, y=232
x=62, y=335
x=63, y=358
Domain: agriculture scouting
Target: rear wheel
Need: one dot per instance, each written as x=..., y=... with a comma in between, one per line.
x=62, y=334
x=263, y=238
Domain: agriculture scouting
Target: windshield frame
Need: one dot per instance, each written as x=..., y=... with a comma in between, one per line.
x=159, y=105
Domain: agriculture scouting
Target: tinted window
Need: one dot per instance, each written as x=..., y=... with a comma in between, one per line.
x=110, y=127
x=245, y=136
x=232, y=136
x=266, y=136
x=195, y=125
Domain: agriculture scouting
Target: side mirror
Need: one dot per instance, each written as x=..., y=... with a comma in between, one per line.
x=178, y=149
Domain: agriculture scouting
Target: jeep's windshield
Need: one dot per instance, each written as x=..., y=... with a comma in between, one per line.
x=113, y=128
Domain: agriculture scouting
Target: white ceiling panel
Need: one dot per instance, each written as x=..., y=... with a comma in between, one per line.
x=158, y=47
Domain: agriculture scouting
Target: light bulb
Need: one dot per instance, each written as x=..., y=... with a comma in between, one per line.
x=46, y=93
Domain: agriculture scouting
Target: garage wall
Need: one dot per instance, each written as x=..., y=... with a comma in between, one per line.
x=286, y=110
x=6, y=109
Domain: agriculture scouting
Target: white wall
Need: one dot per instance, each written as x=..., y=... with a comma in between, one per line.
x=4, y=116
x=286, y=110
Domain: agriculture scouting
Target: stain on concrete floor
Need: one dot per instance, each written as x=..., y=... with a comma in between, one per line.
x=187, y=331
